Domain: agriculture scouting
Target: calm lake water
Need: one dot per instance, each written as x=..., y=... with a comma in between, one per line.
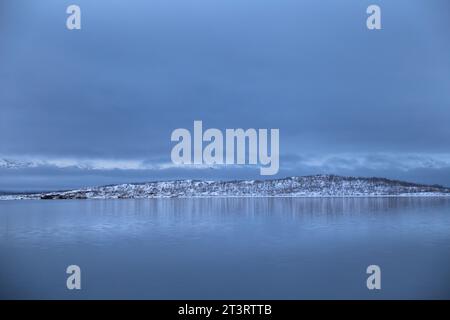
x=226, y=248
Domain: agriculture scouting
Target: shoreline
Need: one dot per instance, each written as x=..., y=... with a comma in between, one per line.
x=403, y=196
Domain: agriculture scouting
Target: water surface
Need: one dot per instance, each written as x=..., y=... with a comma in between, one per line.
x=264, y=248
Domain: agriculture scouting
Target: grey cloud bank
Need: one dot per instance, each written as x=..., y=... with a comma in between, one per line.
x=346, y=100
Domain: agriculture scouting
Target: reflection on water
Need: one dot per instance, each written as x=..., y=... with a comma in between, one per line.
x=226, y=248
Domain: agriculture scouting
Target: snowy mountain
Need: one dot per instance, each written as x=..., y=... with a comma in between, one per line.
x=307, y=186
x=14, y=164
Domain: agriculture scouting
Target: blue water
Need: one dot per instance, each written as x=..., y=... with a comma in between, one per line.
x=226, y=248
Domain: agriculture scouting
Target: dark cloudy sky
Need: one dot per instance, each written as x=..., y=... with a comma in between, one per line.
x=98, y=105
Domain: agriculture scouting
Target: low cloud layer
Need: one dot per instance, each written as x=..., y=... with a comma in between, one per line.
x=27, y=174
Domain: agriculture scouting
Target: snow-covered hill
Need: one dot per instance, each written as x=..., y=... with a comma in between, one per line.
x=308, y=186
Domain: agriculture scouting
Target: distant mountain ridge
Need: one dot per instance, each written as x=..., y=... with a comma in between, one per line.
x=306, y=186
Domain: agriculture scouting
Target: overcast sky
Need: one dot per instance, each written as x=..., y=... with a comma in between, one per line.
x=98, y=105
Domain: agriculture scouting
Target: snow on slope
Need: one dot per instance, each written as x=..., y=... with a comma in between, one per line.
x=308, y=186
